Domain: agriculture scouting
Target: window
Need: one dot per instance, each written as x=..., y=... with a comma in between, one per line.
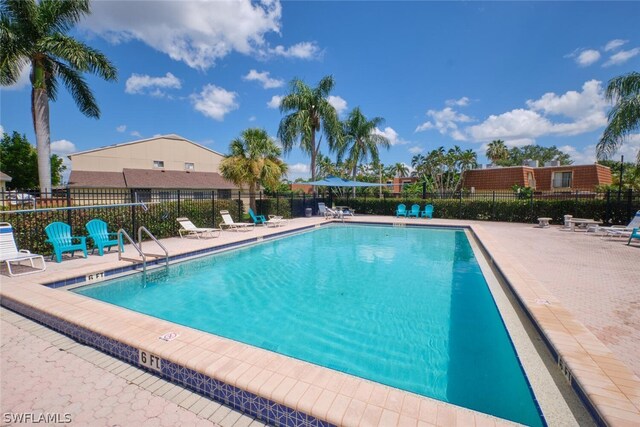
x=198, y=195
x=159, y=164
x=164, y=195
x=562, y=179
x=189, y=166
x=224, y=194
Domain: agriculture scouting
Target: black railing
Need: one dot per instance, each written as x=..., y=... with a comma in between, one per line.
x=30, y=212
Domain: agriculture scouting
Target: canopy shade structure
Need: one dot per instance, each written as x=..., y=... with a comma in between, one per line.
x=334, y=181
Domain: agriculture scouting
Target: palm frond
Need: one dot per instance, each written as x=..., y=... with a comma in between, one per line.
x=80, y=92
x=59, y=16
x=79, y=55
x=623, y=86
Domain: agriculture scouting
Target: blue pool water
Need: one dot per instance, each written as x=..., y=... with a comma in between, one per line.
x=407, y=307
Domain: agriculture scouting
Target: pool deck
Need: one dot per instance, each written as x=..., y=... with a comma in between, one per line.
x=581, y=290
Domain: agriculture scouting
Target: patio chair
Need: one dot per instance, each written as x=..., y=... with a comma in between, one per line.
x=635, y=234
x=617, y=230
x=59, y=236
x=257, y=219
x=187, y=227
x=9, y=252
x=333, y=214
x=427, y=212
x=228, y=222
x=322, y=209
x=276, y=221
x=401, y=210
x=101, y=237
x=415, y=211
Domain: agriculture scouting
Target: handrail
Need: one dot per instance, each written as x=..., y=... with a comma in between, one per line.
x=148, y=233
x=121, y=232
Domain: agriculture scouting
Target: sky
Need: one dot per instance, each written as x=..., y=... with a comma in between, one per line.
x=438, y=73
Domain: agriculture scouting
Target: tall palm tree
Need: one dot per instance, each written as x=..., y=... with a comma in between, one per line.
x=33, y=33
x=253, y=161
x=467, y=159
x=624, y=117
x=399, y=170
x=309, y=112
x=360, y=141
x=496, y=151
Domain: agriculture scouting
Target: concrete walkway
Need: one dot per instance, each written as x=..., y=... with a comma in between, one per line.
x=46, y=374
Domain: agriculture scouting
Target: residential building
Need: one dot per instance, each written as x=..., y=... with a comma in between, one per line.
x=4, y=178
x=554, y=178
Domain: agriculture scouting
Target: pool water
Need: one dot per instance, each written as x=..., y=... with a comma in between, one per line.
x=407, y=307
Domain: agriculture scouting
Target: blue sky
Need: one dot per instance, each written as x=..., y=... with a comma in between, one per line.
x=439, y=73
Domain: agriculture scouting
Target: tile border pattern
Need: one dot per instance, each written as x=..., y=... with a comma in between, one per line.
x=249, y=403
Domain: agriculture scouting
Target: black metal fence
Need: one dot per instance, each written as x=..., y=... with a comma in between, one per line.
x=30, y=212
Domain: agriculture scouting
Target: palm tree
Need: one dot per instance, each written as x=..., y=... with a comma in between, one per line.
x=309, y=112
x=399, y=170
x=34, y=33
x=360, y=140
x=253, y=161
x=468, y=159
x=496, y=151
x=624, y=117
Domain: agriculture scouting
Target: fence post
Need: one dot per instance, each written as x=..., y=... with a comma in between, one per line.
x=314, y=204
x=179, y=204
x=629, y=205
x=460, y=205
x=607, y=211
x=291, y=204
x=261, y=210
x=239, y=206
x=493, y=207
x=69, y=205
x=133, y=211
x=304, y=201
x=213, y=208
x=533, y=215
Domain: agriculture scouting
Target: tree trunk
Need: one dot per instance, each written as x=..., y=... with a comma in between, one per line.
x=355, y=167
x=40, y=109
x=252, y=197
x=314, y=152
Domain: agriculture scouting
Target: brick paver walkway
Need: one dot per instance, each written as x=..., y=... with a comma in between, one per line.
x=44, y=372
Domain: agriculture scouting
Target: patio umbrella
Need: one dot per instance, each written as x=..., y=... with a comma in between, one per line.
x=334, y=181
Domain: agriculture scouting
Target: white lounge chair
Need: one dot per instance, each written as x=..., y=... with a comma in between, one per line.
x=188, y=228
x=276, y=221
x=334, y=214
x=618, y=230
x=9, y=252
x=228, y=222
x=322, y=209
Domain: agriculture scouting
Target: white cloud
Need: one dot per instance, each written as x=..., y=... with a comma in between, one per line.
x=614, y=44
x=252, y=118
x=141, y=83
x=462, y=102
x=587, y=57
x=415, y=150
x=338, y=103
x=299, y=168
x=23, y=80
x=586, y=109
x=621, y=57
x=215, y=102
x=580, y=157
x=263, y=77
x=121, y=128
x=196, y=32
x=446, y=122
x=1, y=129
x=275, y=101
x=302, y=50
x=391, y=135
x=63, y=148
x=137, y=134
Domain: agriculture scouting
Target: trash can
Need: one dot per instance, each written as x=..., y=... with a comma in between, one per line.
x=307, y=212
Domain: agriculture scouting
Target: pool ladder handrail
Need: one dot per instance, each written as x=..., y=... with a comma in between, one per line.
x=138, y=247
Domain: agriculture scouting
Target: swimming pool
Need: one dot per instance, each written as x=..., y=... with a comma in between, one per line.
x=407, y=307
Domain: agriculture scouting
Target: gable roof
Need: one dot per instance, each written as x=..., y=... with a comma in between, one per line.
x=168, y=136
x=4, y=177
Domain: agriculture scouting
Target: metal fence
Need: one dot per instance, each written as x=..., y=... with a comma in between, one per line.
x=30, y=212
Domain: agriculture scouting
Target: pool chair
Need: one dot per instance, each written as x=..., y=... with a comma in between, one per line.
x=322, y=209
x=101, y=237
x=59, y=236
x=257, y=219
x=415, y=211
x=237, y=226
x=617, y=230
x=330, y=213
x=9, y=252
x=427, y=212
x=401, y=210
x=188, y=228
x=635, y=234
x=276, y=221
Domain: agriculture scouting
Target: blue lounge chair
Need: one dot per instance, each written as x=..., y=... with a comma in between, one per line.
x=257, y=219
x=101, y=237
x=635, y=234
x=427, y=212
x=415, y=211
x=401, y=210
x=59, y=235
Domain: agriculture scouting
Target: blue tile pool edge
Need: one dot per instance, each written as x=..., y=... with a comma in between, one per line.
x=575, y=383
x=241, y=400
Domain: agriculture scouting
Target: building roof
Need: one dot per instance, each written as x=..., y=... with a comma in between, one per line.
x=168, y=136
x=143, y=178
x=4, y=177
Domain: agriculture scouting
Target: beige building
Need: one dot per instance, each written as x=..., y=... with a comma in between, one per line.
x=148, y=166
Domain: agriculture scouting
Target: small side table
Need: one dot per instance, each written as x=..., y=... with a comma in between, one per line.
x=544, y=222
